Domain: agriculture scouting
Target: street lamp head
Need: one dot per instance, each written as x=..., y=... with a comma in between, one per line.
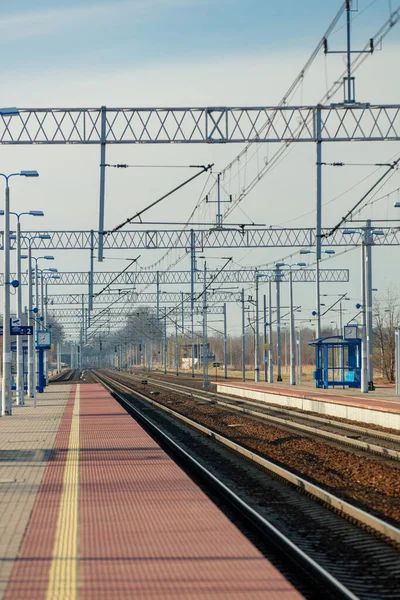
x=378, y=232
x=52, y=270
x=305, y=251
x=301, y=264
x=29, y=174
x=350, y=232
x=44, y=236
x=396, y=205
x=24, y=257
x=9, y=112
x=328, y=251
x=280, y=264
x=36, y=213
x=47, y=257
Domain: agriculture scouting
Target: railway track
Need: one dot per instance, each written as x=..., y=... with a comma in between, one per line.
x=66, y=376
x=347, y=560
x=344, y=434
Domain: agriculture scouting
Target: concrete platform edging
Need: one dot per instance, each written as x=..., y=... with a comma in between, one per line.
x=344, y=411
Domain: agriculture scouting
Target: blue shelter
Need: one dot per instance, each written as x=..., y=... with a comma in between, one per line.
x=337, y=361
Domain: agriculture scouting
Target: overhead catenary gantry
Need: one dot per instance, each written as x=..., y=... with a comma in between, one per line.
x=204, y=238
x=227, y=276
x=347, y=122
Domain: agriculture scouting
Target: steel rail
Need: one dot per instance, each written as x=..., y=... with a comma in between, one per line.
x=357, y=514
x=283, y=542
x=213, y=398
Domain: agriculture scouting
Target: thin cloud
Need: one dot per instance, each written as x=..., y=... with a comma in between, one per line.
x=16, y=26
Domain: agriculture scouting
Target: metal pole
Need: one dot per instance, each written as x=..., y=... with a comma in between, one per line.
x=348, y=23
x=45, y=324
x=37, y=357
x=192, y=271
x=6, y=403
x=102, y=180
x=270, y=338
x=318, y=117
x=300, y=359
x=205, y=333
x=364, y=358
x=397, y=360
x=82, y=331
x=183, y=319
x=286, y=352
x=20, y=357
x=176, y=347
x=225, y=344
x=58, y=357
x=265, y=353
x=165, y=342
x=43, y=352
x=278, y=325
x=342, y=366
x=31, y=338
x=158, y=307
x=243, y=339
x=91, y=273
x=292, y=333
x=369, y=307
x=257, y=334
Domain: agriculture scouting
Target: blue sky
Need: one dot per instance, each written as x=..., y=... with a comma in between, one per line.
x=97, y=34
x=188, y=53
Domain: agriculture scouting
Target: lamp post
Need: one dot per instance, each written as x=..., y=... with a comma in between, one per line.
x=6, y=402
x=292, y=326
x=52, y=274
x=20, y=358
x=31, y=339
x=269, y=371
x=367, y=366
x=318, y=298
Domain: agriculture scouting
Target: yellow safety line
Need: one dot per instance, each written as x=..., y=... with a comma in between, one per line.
x=63, y=578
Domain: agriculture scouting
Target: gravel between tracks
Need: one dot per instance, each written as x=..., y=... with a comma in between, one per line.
x=363, y=481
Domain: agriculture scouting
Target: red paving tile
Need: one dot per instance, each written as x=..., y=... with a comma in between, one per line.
x=29, y=578
x=146, y=530
x=369, y=403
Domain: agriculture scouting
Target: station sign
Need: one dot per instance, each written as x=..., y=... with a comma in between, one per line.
x=19, y=330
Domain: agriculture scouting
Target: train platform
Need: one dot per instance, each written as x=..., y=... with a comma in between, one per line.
x=94, y=508
x=380, y=407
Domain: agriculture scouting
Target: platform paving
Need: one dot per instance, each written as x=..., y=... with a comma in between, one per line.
x=26, y=442
x=117, y=518
x=381, y=407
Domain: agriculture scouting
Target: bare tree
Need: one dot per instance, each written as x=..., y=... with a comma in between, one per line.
x=386, y=319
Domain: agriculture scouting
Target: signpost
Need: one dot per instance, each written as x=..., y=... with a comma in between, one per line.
x=23, y=330
x=216, y=365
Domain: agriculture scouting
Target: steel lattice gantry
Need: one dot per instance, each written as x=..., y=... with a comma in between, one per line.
x=232, y=276
x=216, y=124
x=194, y=125
x=300, y=276
x=204, y=238
x=71, y=316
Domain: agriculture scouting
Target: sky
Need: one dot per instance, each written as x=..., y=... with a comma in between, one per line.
x=192, y=53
